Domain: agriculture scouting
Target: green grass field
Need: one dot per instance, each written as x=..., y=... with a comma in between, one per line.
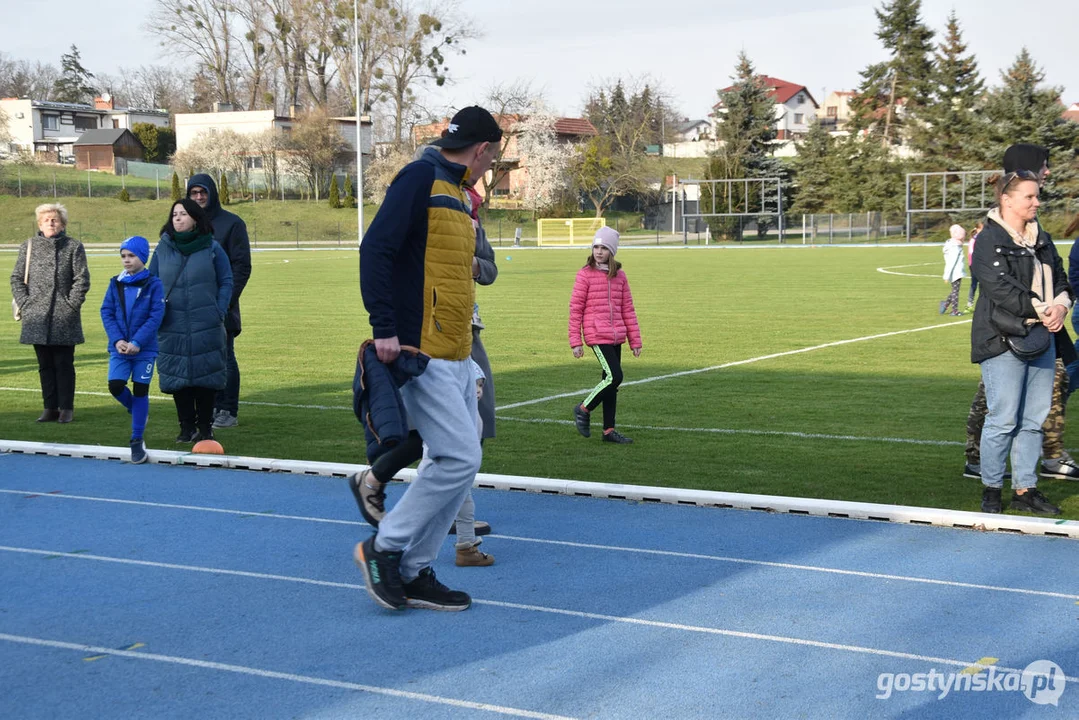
x=834, y=422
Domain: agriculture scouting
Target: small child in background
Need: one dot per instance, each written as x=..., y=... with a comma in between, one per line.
x=954, y=268
x=131, y=312
x=601, y=309
x=970, y=260
x=467, y=545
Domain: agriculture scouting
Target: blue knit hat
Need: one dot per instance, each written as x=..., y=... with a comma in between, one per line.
x=138, y=246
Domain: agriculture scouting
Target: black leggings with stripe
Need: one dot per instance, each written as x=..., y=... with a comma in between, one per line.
x=610, y=362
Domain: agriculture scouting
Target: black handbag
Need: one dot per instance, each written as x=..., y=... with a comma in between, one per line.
x=1030, y=346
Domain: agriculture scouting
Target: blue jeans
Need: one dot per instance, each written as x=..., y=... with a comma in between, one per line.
x=441, y=406
x=1018, y=394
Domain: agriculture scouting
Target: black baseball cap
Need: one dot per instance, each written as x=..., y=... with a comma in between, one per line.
x=469, y=126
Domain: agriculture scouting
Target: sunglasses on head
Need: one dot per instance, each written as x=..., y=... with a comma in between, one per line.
x=1014, y=175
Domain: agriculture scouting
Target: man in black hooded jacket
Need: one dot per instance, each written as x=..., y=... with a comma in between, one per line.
x=230, y=232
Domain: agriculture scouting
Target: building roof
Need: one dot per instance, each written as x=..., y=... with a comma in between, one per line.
x=779, y=90
x=88, y=109
x=574, y=126
x=104, y=136
x=690, y=124
x=1072, y=115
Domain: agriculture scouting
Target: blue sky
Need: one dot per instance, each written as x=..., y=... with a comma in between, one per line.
x=566, y=46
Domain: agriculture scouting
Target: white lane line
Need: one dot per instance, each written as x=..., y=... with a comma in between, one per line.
x=593, y=546
x=171, y=506
x=887, y=270
x=274, y=675
x=532, y=608
x=731, y=431
x=166, y=397
x=772, y=356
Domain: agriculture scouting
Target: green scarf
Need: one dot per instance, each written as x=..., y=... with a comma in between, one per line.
x=190, y=241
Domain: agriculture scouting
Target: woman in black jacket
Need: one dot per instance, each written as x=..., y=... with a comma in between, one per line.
x=1024, y=292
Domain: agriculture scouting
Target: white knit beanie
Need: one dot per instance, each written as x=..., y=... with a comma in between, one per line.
x=608, y=238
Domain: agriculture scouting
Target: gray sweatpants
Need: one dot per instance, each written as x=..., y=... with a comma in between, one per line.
x=441, y=405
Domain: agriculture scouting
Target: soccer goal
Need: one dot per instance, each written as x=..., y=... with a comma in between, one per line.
x=567, y=231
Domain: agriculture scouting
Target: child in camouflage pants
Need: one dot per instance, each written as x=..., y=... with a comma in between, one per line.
x=1056, y=462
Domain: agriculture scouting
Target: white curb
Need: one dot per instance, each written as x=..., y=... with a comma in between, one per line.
x=674, y=496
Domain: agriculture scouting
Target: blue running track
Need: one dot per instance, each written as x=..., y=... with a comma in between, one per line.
x=177, y=592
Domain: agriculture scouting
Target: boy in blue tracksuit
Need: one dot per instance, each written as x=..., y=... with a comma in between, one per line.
x=132, y=311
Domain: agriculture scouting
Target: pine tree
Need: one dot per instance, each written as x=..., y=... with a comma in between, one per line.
x=1022, y=110
x=350, y=200
x=223, y=190
x=73, y=85
x=335, y=194
x=950, y=133
x=176, y=192
x=813, y=172
x=745, y=134
x=904, y=80
x=123, y=195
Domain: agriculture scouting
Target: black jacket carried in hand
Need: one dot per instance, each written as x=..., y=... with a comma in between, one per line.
x=376, y=396
x=230, y=232
x=1005, y=273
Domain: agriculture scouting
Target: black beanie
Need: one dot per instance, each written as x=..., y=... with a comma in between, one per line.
x=1024, y=156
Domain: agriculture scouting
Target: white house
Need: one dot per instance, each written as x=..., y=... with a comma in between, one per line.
x=837, y=109
x=693, y=130
x=43, y=126
x=794, y=105
x=252, y=122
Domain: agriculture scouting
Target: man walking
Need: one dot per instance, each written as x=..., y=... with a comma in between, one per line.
x=416, y=283
x=230, y=232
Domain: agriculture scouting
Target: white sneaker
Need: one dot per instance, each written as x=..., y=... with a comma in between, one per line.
x=225, y=419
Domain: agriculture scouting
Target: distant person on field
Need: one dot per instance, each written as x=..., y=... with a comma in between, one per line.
x=1023, y=286
x=970, y=259
x=1056, y=461
x=230, y=232
x=954, y=268
x=131, y=312
x=49, y=285
x=416, y=279
x=197, y=279
x=601, y=312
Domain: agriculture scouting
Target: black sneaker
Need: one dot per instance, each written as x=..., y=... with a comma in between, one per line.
x=991, y=500
x=614, y=436
x=381, y=574
x=428, y=593
x=1033, y=501
x=481, y=528
x=370, y=496
x=138, y=452
x=583, y=419
x=187, y=435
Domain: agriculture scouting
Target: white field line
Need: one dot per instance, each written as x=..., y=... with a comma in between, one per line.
x=887, y=270
x=589, y=546
x=735, y=363
x=273, y=675
x=519, y=606
x=731, y=431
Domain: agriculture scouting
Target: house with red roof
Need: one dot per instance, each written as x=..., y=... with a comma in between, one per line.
x=795, y=107
x=1072, y=113
x=512, y=168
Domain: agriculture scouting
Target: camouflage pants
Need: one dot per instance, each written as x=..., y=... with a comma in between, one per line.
x=1052, y=429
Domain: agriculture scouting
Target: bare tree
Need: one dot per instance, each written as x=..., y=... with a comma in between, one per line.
x=417, y=45
x=162, y=87
x=269, y=145
x=508, y=102
x=257, y=60
x=202, y=30
x=326, y=29
x=372, y=18
x=314, y=146
x=288, y=39
x=22, y=79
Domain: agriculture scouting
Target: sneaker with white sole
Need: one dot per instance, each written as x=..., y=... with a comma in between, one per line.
x=225, y=419
x=138, y=452
x=428, y=593
x=1061, y=468
x=370, y=496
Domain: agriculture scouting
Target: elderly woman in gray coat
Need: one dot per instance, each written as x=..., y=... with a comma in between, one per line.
x=197, y=278
x=49, y=285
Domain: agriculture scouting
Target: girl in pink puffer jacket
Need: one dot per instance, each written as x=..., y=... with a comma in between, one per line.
x=601, y=308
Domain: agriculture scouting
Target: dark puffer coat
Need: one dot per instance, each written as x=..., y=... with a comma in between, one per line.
x=51, y=303
x=191, y=339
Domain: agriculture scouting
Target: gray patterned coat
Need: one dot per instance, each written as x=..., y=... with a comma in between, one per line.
x=51, y=303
